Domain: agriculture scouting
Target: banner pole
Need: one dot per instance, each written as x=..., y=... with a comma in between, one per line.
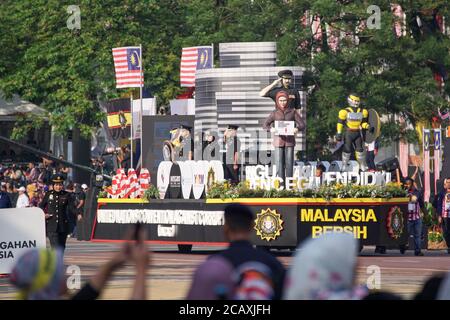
x=140, y=89
x=132, y=134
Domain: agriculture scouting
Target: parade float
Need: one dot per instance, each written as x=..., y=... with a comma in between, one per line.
x=187, y=206
x=184, y=203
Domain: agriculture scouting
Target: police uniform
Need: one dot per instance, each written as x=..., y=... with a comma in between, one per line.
x=56, y=204
x=294, y=101
x=354, y=119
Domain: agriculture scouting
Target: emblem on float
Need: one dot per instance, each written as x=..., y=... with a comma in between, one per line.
x=268, y=224
x=394, y=222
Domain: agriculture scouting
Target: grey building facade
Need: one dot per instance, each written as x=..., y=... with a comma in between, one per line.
x=230, y=94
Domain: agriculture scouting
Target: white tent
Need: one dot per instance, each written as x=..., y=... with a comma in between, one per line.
x=10, y=108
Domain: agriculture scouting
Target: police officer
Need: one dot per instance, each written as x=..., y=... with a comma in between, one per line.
x=283, y=83
x=56, y=205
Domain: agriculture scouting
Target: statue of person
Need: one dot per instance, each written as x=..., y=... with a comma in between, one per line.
x=284, y=144
x=285, y=80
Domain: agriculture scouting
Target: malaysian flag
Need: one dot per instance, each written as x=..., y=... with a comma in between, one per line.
x=127, y=63
x=192, y=59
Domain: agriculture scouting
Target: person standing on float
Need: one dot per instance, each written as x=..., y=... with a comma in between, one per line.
x=284, y=144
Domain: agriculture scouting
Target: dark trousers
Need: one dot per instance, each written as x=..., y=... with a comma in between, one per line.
x=57, y=239
x=231, y=174
x=284, y=160
x=353, y=138
x=370, y=159
x=415, y=230
x=446, y=230
x=71, y=217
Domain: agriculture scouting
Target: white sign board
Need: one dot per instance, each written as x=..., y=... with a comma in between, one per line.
x=284, y=128
x=148, y=109
x=20, y=230
x=187, y=177
x=163, y=175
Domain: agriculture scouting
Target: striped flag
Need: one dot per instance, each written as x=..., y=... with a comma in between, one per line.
x=127, y=63
x=193, y=59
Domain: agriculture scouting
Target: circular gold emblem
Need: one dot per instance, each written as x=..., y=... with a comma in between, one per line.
x=268, y=224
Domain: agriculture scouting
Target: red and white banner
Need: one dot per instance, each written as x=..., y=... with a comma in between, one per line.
x=437, y=134
x=403, y=153
x=426, y=164
x=129, y=186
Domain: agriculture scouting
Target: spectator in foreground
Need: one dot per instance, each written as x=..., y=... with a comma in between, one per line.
x=39, y=274
x=238, y=227
x=444, y=288
x=324, y=269
x=431, y=288
x=212, y=280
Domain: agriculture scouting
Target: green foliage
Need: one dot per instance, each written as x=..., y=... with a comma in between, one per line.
x=103, y=194
x=328, y=192
x=151, y=193
x=68, y=71
x=430, y=217
x=435, y=236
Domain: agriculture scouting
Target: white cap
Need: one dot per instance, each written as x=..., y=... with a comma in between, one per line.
x=84, y=186
x=22, y=189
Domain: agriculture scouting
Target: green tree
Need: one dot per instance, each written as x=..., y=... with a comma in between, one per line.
x=393, y=74
x=69, y=71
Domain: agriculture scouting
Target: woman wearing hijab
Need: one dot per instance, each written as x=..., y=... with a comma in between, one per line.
x=39, y=274
x=284, y=144
x=324, y=269
x=212, y=280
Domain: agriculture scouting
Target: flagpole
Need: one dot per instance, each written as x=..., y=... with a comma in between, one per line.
x=132, y=135
x=212, y=53
x=140, y=89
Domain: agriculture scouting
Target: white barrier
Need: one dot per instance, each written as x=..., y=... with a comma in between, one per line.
x=162, y=181
x=20, y=230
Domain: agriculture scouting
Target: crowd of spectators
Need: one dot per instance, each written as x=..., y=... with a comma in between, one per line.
x=24, y=185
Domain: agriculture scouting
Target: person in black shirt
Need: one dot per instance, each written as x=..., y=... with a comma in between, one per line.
x=5, y=201
x=285, y=80
x=56, y=205
x=238, y=228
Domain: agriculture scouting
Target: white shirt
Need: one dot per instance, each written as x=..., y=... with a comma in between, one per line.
x=22, y=201
x=370, y=146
